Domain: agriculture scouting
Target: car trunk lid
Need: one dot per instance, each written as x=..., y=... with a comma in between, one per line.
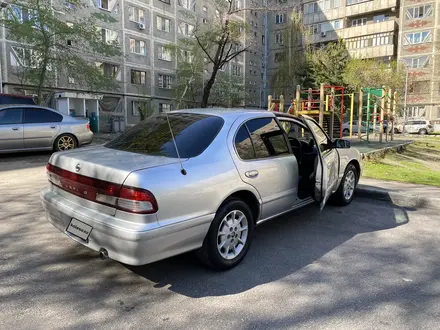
x=97, y=175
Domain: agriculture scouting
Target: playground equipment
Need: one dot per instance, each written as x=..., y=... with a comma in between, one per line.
x=380, y=106
x=327, y=105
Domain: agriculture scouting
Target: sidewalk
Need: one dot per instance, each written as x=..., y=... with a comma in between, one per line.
x=399, y=193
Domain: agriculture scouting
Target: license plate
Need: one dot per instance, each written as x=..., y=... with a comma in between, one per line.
x=79, y=228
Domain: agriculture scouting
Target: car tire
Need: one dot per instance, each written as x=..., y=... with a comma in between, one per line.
x=65, y=142
x=396, y=131
x=346, y=131
x=227, y=235
x=423, y=131
x=345, y=193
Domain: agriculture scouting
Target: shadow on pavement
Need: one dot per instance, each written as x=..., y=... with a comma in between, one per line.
x=280, y=247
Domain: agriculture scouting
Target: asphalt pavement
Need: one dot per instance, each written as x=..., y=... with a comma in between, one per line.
x=370, y=265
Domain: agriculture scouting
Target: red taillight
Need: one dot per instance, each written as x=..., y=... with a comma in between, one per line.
x=130, y=199
x=88, y=126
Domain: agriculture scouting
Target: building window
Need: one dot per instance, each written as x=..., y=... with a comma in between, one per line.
x=168, y=2
x=136, y=15
x=138, y=47
x=138, y=77
x=418, y=12
x=280, y=18
x=186, y=56
x=417, y=38
x=359, y=21
x=311, y=8
x=188, y=4
x=108, y=70
x=186, y=29
x=353, y=2
x=417, y=62
x=381, y=18
x=236, y=70
x=163, y=24
x=315, y=28
x=370, y=41
x=165, y=107
x=109, y=36
x=279, y=38
x=263, y=39
x=165, y=81
x=279, y=57
x=164, y=53
x=138, y=106
x=103, y=4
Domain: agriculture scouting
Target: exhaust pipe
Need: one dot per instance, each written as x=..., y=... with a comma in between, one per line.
x=103, y=254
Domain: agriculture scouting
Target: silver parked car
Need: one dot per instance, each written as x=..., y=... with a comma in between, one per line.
x=146, y=196
x=29, y=127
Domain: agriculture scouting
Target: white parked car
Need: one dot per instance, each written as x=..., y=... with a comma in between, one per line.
x=418, y=126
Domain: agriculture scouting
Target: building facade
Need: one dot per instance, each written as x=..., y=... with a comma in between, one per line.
x=418, y=49
x=146, y=70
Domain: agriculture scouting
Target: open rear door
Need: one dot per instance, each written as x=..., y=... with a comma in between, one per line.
x=326, y=163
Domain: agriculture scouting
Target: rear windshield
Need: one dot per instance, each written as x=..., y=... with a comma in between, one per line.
x=193, y=134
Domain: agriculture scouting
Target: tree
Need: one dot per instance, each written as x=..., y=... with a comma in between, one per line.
x=223, y=38
x=306, y=64
x=375, y=74
x=228, y=91
x=57, y=39
x=326, y=64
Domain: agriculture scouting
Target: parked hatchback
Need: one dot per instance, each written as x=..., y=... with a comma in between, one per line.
x=195, y=180
x=27, y=127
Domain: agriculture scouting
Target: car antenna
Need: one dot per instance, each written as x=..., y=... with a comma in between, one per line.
x=182, y=170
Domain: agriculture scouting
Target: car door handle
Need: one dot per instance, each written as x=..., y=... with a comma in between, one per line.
x=15, y=128
x=251, y=174
x=53, y=127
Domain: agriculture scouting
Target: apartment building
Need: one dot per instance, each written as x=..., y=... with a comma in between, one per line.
x=146, y=68
x=418, y=48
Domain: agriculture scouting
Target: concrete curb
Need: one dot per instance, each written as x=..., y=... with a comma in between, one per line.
x=383, y=151
x=397, y=198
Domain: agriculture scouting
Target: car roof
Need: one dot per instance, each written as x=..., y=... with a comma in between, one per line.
x=232, y=112
x=16, y=105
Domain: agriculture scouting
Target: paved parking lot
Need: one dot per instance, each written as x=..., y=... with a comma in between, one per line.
x=370, y=265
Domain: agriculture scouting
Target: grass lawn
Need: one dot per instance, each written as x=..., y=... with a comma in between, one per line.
x=419, y=163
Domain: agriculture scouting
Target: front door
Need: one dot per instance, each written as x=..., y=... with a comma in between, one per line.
x=11, y=129
x=326, y=165
x=40, y=126
x=263, y=160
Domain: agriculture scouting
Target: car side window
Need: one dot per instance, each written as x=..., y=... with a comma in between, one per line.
x=36, y=116
x=321, y=137
x=294, y=130
x=267, y=137
x=243, y=144
x=10, y=116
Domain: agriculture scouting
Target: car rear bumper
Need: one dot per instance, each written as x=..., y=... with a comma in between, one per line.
x=127, y=242
x=85, y=138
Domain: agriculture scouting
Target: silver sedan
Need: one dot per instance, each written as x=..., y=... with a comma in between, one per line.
x=195, y=180
x=29, y=127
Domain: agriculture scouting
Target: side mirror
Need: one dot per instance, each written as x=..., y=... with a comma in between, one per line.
x=341, y=144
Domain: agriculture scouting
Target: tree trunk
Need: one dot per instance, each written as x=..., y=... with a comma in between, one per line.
x=41, y=82
x=207, y=88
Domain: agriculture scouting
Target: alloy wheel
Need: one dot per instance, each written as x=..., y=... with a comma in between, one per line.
x=232, y=234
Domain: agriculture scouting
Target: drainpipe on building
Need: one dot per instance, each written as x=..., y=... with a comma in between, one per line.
x=2, y=6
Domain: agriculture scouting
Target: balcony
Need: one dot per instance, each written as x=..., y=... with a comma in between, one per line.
x=372, y=52
x=355, y=31
x=369, y=7
x=363, y=30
